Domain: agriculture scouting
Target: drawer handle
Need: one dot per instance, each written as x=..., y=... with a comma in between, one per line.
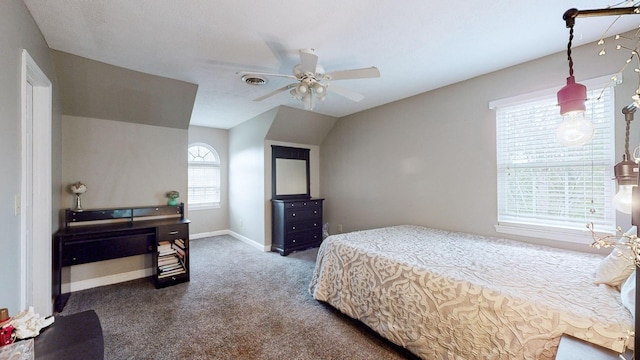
x=173, y=232
x=315, y=211
x=291, y=241
x=293, y=228
x=294, y=214
x=305, y=204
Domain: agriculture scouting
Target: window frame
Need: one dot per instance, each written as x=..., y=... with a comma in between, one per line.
x=555, y=232
x=212, y=164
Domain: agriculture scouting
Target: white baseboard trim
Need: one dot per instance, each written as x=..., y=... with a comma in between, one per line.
x=106, y=280
x=208, y=234
x=245, y=239
x=231, y=233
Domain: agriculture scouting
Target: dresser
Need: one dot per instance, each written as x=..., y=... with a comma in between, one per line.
x=296, y=224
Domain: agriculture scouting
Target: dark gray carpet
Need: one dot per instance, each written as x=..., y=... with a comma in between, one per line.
x=241, y=303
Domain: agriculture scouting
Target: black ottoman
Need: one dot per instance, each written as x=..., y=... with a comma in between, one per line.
x=75, y=336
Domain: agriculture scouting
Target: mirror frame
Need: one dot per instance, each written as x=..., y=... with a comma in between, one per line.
x=286, y=152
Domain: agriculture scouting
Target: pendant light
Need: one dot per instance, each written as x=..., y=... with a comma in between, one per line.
x=575, y=129
x=626, y=171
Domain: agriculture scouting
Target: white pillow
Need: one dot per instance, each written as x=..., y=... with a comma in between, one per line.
x=617, y=266
x=628, y=293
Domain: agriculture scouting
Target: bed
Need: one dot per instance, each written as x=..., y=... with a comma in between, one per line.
x=450, y=295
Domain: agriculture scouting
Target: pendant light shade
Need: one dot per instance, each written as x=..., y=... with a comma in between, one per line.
x=572, y=96
x=575, y=129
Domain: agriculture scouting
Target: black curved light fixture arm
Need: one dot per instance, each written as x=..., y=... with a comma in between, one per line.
x=571, y=14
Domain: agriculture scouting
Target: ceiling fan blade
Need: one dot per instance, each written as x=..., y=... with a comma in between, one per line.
x=308, y=60
x=364, y=73
x=276, y=91
x=264, y=74
x=351, y=95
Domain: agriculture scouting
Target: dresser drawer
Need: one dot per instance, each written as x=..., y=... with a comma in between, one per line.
x=301, y=238
x=303, y=204
x=294, y=226
x=173, y=231
x=303, y=213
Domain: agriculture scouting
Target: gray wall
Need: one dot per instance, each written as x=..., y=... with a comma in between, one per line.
x=250, y=165
x=246, y=177
x=207, y=221
x=19, y=31
x=98, y=90
x=122, y=164
x=430, y=159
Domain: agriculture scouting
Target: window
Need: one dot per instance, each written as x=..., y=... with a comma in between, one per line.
x=204, y=176
x=546, y=189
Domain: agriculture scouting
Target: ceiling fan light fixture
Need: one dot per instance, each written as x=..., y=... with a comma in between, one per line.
x=302, y=89
x=294, y=94
x=319, y=89
x=254, y=79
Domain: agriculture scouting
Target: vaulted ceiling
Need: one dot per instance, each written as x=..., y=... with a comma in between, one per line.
x=417, y=45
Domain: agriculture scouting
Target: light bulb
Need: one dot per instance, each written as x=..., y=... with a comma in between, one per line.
x=302, y=89
x=318, y=88
x=574, y=130
x=622, y=200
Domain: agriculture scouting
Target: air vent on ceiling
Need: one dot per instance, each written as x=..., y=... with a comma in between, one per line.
x=254, y=79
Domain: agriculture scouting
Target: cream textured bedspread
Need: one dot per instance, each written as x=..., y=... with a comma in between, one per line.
x=448, y=295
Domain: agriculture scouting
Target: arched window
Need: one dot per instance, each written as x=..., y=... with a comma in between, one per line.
x=204, y=176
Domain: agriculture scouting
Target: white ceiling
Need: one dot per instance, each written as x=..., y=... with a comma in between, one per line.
x=418, y=45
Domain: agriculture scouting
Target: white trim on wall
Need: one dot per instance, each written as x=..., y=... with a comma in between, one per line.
x=242, y=238
x=36, y=256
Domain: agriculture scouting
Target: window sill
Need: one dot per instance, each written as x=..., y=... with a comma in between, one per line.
x=551, y=233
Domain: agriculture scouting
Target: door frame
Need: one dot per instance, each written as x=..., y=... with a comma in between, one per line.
x=35, y=257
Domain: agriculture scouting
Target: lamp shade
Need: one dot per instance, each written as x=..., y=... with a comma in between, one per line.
x=572, y=97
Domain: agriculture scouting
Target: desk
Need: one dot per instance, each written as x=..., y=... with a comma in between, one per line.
x=117, y=233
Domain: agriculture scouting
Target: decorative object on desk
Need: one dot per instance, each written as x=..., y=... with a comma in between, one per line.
x=78, y=189
x=173, y=197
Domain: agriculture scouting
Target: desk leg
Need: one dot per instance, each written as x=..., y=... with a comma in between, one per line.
x=60, y=300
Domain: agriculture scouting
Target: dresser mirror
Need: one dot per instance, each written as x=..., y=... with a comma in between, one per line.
x=290, y=173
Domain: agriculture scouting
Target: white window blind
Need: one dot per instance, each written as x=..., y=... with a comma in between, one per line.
x=204, y=176
x=545, y=184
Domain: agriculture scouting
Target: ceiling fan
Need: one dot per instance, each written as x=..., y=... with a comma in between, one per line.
x=311, y=80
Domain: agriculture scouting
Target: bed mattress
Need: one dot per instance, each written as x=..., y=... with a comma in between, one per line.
x=448, y=295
